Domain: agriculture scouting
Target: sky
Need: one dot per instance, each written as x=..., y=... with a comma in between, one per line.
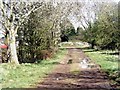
x=116, y=1
x=87, y=12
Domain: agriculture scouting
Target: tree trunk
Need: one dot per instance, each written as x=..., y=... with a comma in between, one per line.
x=13, y=51
x=93, y=44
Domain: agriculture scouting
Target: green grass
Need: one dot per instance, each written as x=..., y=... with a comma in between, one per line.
x=108, y=62
x=27, y=75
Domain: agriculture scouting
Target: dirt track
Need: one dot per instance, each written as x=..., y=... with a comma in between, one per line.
x=73, y=77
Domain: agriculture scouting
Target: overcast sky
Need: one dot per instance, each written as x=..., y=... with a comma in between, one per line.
x=87, y=12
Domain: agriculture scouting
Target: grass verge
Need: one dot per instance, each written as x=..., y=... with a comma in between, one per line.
x=108, y=60
x=27, y=75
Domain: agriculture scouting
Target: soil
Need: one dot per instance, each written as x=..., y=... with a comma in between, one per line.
x=72, y=77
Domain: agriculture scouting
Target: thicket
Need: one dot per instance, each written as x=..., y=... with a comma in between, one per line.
x=104, y=32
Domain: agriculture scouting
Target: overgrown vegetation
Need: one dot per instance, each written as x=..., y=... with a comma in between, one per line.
x=25, y=75
x=104, y=32
x=33, y=26
x=34, y=37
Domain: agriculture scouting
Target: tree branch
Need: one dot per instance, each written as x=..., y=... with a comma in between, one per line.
x=32, y=10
